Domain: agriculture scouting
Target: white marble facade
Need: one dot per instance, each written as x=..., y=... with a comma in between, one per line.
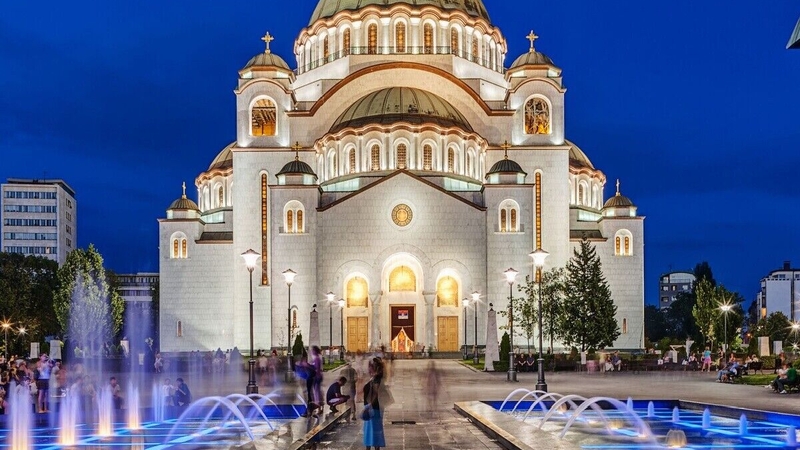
x=435, y=90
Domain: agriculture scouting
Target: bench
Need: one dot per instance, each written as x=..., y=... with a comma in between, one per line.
x=755, y=367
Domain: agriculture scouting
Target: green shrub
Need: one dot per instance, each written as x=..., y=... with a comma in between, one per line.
x=505, y=348
x=768, y=362
x=500, y=366
x=298, y=348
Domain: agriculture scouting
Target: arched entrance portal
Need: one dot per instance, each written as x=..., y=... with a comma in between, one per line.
x=402, y=306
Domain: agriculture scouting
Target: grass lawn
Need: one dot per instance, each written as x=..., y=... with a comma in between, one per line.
x=757, y=380
x=336, y=363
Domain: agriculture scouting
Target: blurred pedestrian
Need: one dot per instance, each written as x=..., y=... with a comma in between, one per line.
x=432, y=386
x=373, y=413
x=183, y=396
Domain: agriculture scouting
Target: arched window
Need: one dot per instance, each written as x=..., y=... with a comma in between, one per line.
x=375, y=157
x=263, y=118
x=334, y=164
x=400, y=37
x=454, y=47
x=325, y=48
x=474, y=49
x=179, y=329
x=469, y=164
x=294, y=214
x=623, y=243
x=537, y=116
x=427, y=38
x=178, y=248
x=447, y=292
x=624, y=326
x=451, y=160
x=346, y=42
x=401, y=156
x=351, y=160
x=372, y=39
x=402, y=279
x=220, y=197
x=581, y=193
x=509, y=216
x=427, y=157
x=357, y=293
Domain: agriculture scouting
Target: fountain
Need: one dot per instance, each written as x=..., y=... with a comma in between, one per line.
x=706, y=424
x=791, y=437
x=629, y=404
x=743, y=425
x=676, y=415
x=651, y=410
x=134, y=421
x=105, y=405
x=19, y=409
x=676, y=438
x=157, y=401
x=68, y=418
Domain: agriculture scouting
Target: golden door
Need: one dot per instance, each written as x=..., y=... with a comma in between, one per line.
x=357, y=333
x=448, y=334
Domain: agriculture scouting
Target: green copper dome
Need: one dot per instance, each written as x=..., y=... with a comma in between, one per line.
x=329, y=8
x=395, y=105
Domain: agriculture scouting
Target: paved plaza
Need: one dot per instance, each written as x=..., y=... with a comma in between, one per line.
x=413, y=422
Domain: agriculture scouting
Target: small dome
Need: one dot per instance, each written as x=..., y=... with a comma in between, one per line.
x=183, y=203
x=296, y=167
x=577, y=158
x=399, y=104
x=224, y=159
x=267, y=59
x=329, y=8
x=618, y=201
x=506, y=166
x=532, y=58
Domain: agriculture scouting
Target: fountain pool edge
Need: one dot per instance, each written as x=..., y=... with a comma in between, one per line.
x=509, y=432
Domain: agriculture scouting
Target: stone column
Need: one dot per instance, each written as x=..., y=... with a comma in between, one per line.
x=430, y=337
x=375, y=337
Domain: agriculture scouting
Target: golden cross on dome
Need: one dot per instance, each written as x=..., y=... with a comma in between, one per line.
x=532, y=37
x=267, y=39
x=617, y=186
x=505, y=147
x=183, y=185
x=296, y=147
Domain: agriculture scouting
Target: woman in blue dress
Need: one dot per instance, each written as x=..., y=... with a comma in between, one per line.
x=373, y=427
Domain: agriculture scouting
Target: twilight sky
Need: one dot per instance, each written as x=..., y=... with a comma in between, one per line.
x=692, y=105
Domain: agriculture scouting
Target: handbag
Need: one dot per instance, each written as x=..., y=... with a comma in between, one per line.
x=366, y=414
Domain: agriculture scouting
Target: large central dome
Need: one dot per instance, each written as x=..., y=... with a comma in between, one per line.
x=329, y=8
x=399, y=104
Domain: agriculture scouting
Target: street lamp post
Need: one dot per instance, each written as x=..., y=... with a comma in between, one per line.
x=465, y=302
x=511, y=274
x=725, y=308
x=341, y=329
x=250, y=258
x=475, y=297
x=539, y=256
x=289, y=275
x=330, y=296
x=6, y=325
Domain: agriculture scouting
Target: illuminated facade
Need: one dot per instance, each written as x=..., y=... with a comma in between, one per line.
x=400, y=166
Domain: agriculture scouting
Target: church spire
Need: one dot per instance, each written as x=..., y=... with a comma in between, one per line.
x=183, y=185
x=618, y=186
x=532, y=37
x=267, y=39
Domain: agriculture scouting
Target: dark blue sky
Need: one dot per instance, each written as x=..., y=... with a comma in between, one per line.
x=694, y=106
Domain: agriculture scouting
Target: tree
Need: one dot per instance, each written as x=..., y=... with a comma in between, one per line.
x=86, y=309
x=526, y=310
x=505, y=347
x=655, y=324
x=776, y=325
x=680, y=320
x=705, y=308
x=552, y=301
x=27, y=284
x=589, y=314
x=734, y=318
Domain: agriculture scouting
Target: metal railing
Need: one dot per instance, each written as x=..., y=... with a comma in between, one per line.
x=407, y=50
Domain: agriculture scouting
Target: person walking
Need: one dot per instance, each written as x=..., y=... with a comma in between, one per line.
x=373, y=410
x=316, y=363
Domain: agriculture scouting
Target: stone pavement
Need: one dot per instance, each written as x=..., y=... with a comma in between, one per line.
x=438, y=426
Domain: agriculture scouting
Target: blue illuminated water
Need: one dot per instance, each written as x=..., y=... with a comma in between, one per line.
x=722, y=430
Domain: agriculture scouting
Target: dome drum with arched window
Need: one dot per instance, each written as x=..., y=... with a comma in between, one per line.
x=619, y=206
x=183, y=208
x=506, y=171
x=296, y=172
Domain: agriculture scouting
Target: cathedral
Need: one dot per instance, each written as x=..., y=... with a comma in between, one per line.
x=400, y=167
